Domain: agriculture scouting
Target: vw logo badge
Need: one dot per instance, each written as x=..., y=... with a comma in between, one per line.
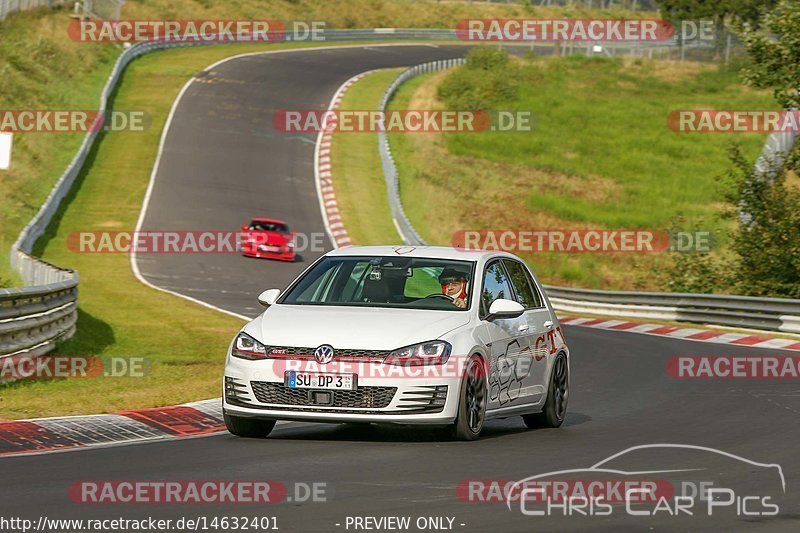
x=324, y=354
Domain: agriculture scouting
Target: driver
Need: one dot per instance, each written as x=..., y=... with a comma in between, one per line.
x=454, y=285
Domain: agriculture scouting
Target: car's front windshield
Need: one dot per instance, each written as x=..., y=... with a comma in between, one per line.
x=260, y=225
x=404, y=282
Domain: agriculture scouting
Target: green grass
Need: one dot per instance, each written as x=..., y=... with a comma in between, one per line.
x=613, y=119
x=601, y=156
x=356, y=169
x=422, y=284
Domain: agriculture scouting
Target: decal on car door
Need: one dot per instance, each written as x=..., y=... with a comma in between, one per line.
x=505, y=381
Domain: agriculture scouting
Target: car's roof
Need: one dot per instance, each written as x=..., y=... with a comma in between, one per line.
x=438, y=252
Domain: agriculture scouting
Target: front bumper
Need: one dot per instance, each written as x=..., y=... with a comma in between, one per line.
x=256, y=389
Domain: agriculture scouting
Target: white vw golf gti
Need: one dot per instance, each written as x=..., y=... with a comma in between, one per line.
x=407, y=335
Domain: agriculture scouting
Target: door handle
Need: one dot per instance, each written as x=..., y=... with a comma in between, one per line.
x=523, y=328
x=548, y=324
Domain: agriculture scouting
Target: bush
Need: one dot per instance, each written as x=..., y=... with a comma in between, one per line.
x=765, y=248
x=699, y=273
x=487, y=58
x=767, y=243
x=487, y=79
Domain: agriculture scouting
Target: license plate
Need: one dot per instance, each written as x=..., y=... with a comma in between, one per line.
x=273, y=249
x=317, y=380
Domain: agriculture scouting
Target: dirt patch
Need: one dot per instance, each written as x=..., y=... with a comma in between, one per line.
x=793, y=180
x=110, y=224
x=665, y=69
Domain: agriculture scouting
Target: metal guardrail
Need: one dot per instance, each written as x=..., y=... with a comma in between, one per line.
x=773, y=314
x=403, y=225
x=33, y=319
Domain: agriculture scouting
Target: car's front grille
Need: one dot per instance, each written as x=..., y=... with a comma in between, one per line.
x=362, y=397
x=340, y=354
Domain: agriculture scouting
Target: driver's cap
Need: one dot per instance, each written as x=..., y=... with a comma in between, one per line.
x=451, y=274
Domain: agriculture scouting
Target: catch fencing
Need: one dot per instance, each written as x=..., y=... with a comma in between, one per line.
x=8, y=7
x=105, y=9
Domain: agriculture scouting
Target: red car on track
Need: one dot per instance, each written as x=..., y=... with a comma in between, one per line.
x=268, y=238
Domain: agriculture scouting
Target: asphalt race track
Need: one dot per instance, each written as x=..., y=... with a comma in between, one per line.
x=223, y=164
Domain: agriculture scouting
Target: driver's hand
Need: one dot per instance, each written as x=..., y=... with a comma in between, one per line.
x=460, y=302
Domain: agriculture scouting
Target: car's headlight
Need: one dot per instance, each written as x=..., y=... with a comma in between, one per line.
x=425, y=353
x=246, y=347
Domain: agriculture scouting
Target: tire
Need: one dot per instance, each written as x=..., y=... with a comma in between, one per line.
x=555, y=406
x=252, y=428
x=471, y=402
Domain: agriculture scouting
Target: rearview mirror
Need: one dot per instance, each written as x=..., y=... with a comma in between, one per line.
x=502, y=308
x=269, y=297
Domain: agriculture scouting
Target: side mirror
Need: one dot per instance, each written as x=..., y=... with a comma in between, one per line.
x=269, y=297
x=502, y=308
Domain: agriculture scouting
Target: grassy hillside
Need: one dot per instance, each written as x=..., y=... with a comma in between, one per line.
x=40, y=68
x=601, y=157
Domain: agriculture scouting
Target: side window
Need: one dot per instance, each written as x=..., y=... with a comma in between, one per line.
x=495, y=285
x=523, y=283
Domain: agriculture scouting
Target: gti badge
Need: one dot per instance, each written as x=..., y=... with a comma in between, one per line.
x=324, y=354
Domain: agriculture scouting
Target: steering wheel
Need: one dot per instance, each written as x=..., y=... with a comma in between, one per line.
x=440, y=295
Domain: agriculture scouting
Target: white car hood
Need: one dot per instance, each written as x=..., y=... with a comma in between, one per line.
x=352, y=327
